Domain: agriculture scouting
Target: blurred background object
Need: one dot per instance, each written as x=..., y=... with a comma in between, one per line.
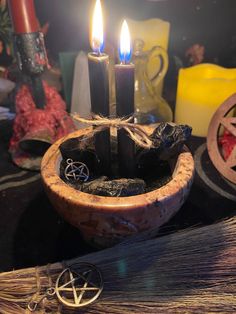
x=6, y=87
x=150, y=106
x=152, y=32
x=67, y=65
x=5, y=39
x=195, y=54
x=81, y=101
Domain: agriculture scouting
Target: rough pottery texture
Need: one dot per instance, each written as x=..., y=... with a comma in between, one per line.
x=105, y=221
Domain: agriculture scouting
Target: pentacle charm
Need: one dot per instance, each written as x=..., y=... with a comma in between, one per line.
x=76, y=170
x=223, y=118
x=79, y=285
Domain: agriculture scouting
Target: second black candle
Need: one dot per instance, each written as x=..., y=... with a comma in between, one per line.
x=124, y=77
x=99, y=87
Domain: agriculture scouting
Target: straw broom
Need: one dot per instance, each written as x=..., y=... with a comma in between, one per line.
x=192, y=271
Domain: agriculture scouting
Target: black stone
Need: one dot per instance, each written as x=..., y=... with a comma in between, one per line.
x=85, y=187
x=169, y=138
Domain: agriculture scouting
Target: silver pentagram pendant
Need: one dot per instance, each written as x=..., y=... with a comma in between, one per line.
x=77, y=286
x=80, y=286
x=76, y=171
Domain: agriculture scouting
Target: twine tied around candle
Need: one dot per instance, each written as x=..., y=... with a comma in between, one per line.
x=136, y=132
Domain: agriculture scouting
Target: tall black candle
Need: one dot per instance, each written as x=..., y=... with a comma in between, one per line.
x=124, y=77
x=99, y=88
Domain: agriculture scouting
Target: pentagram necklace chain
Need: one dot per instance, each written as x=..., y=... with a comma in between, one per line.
x=76, y=287
x=50, y=293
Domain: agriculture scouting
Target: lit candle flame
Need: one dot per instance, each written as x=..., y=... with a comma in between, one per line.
x=125, y=44
x=97, y=28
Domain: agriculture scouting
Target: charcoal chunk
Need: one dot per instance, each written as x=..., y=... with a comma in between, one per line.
x=85, y=187
x=119, y=188
x=169, y=138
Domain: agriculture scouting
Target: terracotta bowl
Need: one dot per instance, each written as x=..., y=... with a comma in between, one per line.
x=105, y=221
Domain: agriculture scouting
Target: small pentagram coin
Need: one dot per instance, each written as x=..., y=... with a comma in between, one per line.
x=76, y=171
x=79, y=285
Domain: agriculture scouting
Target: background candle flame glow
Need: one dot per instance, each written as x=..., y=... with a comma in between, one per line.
x=125, y=44
x=97, y=41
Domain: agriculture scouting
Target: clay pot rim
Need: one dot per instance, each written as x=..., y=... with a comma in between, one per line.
x=182, y=175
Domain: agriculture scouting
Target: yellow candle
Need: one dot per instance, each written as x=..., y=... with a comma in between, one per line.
x=201, y=90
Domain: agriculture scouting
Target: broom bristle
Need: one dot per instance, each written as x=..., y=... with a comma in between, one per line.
x=192, y=271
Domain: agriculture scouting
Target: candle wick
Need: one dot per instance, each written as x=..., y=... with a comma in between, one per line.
x=124, y=62
x=99, y=52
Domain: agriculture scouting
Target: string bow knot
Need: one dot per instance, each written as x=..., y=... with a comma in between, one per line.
x=136, y=132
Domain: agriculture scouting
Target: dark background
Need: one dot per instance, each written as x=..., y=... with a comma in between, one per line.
x=210, y=23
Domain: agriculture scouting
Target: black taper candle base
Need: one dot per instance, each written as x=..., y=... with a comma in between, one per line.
x=126, y=152
x=102, y=147
x=38, y=91
x=99, y=88
x=125, y=107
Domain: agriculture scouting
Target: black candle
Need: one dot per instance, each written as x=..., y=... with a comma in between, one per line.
x=124, y=77
x=99, y=88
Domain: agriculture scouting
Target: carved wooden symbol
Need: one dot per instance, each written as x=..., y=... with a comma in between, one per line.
x=220, y=118
x=80, y=287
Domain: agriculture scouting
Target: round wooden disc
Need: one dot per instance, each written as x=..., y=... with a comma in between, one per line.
x=220, y=118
